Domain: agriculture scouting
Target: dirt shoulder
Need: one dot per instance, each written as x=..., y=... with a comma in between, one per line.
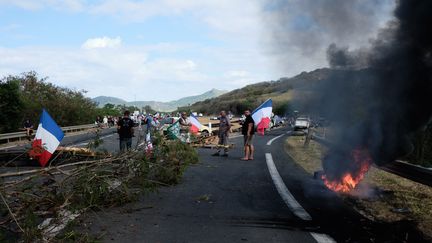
x=382, y=196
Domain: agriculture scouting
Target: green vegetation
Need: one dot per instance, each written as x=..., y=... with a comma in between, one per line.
x=10, y=105
x=422, y=154
x=89, y=185
x=282, y=92
x=25, y=95
x=248, y=97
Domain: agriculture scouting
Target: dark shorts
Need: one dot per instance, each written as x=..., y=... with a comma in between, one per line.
x=248, y=140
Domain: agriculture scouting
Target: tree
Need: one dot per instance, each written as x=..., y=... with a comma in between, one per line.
x=24, y=96
x=109, y=110
x=149, y=110
x=11, y=105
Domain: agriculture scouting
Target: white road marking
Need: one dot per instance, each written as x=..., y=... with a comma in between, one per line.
x=107, y=136
x=322, y=238
x=273, y=139
x=286, y=195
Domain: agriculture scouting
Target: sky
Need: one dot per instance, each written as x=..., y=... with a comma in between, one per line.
x=164, y=49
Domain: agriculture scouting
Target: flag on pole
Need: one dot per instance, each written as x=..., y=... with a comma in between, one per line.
x=47, y=139
x=196, y=125
x=262, y=116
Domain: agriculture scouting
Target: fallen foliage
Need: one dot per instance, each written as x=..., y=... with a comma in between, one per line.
x=38, y=203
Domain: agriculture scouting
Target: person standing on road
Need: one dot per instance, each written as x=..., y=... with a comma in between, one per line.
x=105, y=122
x=224, y=129
x=125, y=130
x=148, y=120
x=28, y=126
x=248, y=130
x=185, y=126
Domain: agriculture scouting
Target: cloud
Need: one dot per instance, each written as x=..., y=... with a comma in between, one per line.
x=35, y=5
x=252, y=44
x=102, y=42
x=237, y=74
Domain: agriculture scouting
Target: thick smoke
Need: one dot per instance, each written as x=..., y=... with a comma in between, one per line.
x=311, y=25
x=377, y=97
x=381, y=106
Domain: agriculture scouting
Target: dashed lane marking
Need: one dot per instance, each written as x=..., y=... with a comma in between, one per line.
x=286, y=195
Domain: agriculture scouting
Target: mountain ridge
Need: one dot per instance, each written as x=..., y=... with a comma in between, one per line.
x=159, y=105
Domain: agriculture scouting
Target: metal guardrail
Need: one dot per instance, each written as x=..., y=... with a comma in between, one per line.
x=408, y=171
x=18, y=136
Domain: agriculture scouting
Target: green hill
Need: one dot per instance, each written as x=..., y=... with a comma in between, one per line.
x=282, y=91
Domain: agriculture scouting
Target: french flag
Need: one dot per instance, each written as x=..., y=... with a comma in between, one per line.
x=262, y=116
x=47, y=139
x=196, y=125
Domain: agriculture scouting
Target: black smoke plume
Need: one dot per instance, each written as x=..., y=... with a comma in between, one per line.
x=381, y=106
x=376, y=97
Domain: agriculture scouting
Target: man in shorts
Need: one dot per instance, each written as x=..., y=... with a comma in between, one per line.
x=248, y=131
x=224, y=129
x=28, y=126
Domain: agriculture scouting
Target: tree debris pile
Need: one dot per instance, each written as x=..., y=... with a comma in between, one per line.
x=34, y=201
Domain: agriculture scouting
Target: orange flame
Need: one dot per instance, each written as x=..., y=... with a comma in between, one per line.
x=350, y=180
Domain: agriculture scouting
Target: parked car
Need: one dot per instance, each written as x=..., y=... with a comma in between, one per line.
x=166, y=122
x=301, y=124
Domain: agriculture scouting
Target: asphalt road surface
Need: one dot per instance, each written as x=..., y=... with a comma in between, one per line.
x=269, y=199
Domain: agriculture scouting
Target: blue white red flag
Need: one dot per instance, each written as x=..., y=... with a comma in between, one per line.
x=262, y=116
x=47, y=139
x=196, y=125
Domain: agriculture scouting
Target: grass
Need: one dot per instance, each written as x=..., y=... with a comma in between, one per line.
x=411, y=199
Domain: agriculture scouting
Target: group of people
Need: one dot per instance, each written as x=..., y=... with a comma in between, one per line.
x=106, y=121
x=248, y=131
x=125, y=129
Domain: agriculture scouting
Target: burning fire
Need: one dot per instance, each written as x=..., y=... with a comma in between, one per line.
x=361, y=163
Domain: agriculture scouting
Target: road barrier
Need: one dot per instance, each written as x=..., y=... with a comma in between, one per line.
x=18, y=136
x=408, y=171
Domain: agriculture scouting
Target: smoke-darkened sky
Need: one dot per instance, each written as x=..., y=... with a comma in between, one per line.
x=164, y=50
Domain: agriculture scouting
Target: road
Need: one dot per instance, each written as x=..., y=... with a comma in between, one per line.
x=108, y=135
x=269, y=199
